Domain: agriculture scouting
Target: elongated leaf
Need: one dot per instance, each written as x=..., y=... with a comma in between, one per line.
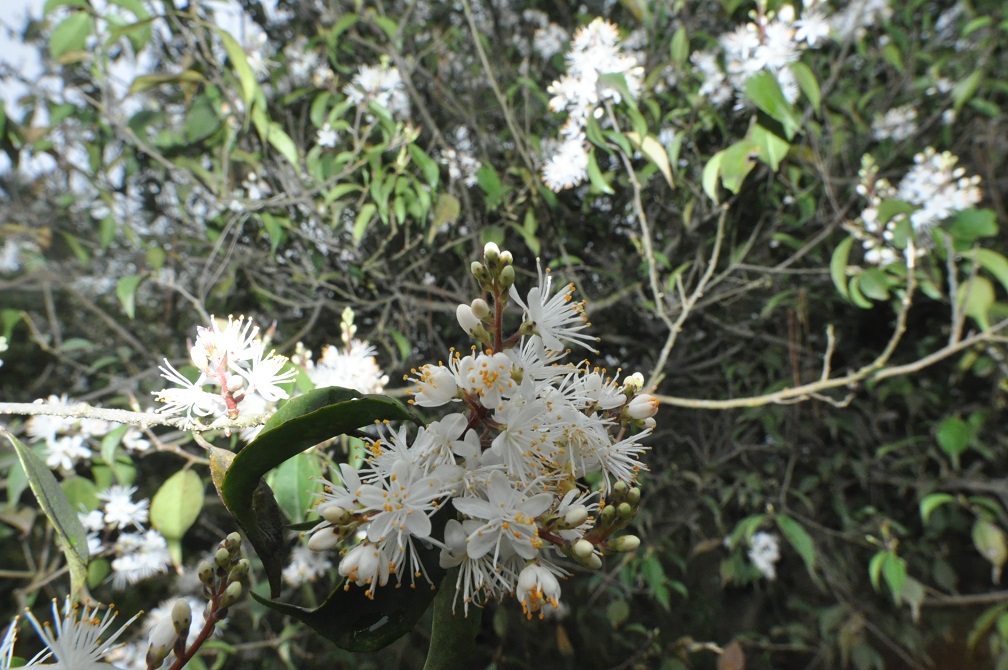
x=838, y=266
x=800, y=540
x=301, y=423
x=765, y=92
x=246, y=77
x=71, y=34
x=930, y=503
x=994, y=263
x=126, y=291
x=654, y=152
x=175, y=508
x=58, y=511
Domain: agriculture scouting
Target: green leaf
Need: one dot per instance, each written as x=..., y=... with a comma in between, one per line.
x=772, y=149
x=972, y=224
x=954, y=437
x=427, y=165
x=446, y=211
x=71, y=34
x=654, y=152
x=736, y=164
x=989, y=540
x=932, y=502
x=874, y=284
x=994, y=263
x=147, y=81
x=126, y=292
x=894, y=571
x=61, y=515
x=807, y=83
x=764, y=91
x=294, y=482
x=711, y=174
x=965, y=88
x=595, y=175
x=282, y=142
x=838, y=266
x=176, y=506
x=977, y=298
x=246, y=77
x=679, y=46
x=363, y=220
x=800, y=541
x=301, y=423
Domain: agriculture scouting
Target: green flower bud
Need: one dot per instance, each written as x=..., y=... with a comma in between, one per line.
x=205, y=572
x=491, y=254
x=507, y=277
x=620, y=488
x=633, y=496
x=625, y=511
x=575, y=516
x=607, y=515
x=625, y=543
x=506, y=258
x=232, y=541
x=480, y=308
x=594, y=562
x=231, y=595
x=181, y=616
x=222, y=559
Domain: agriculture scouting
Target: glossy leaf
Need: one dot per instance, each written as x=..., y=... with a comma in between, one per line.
x=932, y=502
x=58, y=511
x=838, y=266
x=175, y=508
x=800, y=541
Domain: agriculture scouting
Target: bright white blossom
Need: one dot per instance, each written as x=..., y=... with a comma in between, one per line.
x=764, y=552
x=381, y=84
x=897, y=124
x=73, y=639
x=120, y=510
x=139, y=556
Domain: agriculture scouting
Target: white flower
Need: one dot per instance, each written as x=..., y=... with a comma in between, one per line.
x=567, y=167
x=436, y=386
x=305, y=566
x=554, y=318
x=354, y=368
x=65, y=452
x=120, y=510
x=219, y=348
x=382, y=84
x=74, y=639
x=366, y=564
x=537, y=586
x=897, y=124
x=139, y=557
x=509, y=519
x=264, y=376
x=326, y=136
x=764, y=552
x=164, y=611
x=190, y=398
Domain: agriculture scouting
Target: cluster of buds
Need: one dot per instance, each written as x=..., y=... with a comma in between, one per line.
x=523, y=436
x=223, y=581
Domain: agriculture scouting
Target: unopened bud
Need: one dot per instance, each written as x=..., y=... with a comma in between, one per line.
x=650, y=423
x=634, y=382
x=181, y=616
x=231, y=595
x=625, y=511
x=323, y=539
x=643, y=406
x=576, y=516
x=583, y=549
x=491, y=253
x=620, y=488
x=607, y=515
x=205, y=572
x=222, y=558
x=235, y=383
x=480, y=308
x=334, y=514
x=507, y=276
x=238, y=573
x=625, y=543
x=594, y=562
x=162, y=640
x=467, y=319
x=232, y=541
x=633, y=496
x=482, y=274
x=506, y=258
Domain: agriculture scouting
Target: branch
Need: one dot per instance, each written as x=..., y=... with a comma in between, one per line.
x=139, y=419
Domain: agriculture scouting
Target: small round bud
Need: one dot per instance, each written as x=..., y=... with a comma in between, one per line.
x=594, y=562
x=232, y=541
x=235, y=383
x=625, y=543
x=231, y=595
x=181, y=616
x=469, y=321
x=491, y=253
x=222, y=558
x=620, y=488
x=583, y=549
x=506, y=258
x=634, y=382
x=480, y=308
x=334, y=514
x=205, y=572
x=237, y=574
x=507, y=276
x=607, y=515
x=575, y=516
x=633, y=496
x=625, y=511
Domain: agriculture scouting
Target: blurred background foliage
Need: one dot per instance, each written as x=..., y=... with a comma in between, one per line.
x=329, y=154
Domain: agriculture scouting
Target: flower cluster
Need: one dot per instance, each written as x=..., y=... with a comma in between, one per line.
x=69, y=441
x=524, y=433
x=897, y=124
x=73, y=640
x=764, y=552
x=233, y=363
x=771, y=42
x=935, y=189
x=583, y=93
x=381, y=84
x=353, y=367
x=117, y=529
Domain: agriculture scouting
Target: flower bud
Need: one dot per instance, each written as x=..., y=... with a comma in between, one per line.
x=205, y=572
x=643, y=406
x=181, y=616
x=506, y=258
x=607, y=515
x=480, y=308
x=633, y=496
x=239, y=572
x=334, y=514
x=231, y=595
x=507, y=277
x=324, y=539
x=162, y=639
x=625, y=511
x=575, y=516
x=634, y=382
x=467, y=319
x=232, y=541
x=222, y=558
x=491, y=253
x=625, y=543
x=583, y=549
x=235, y=383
